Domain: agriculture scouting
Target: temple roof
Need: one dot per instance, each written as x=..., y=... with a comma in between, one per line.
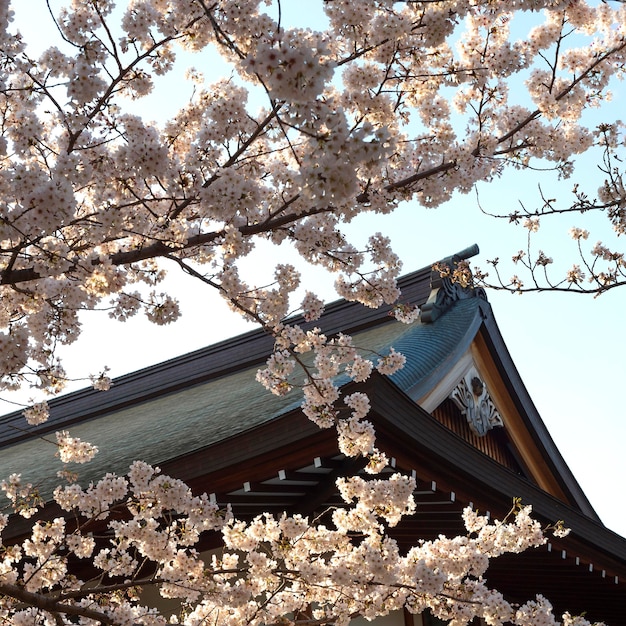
x=203, y=418
x=202, y=413
x=211, y=394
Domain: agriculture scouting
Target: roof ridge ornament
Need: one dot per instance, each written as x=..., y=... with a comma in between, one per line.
x=451, y=280
x=473, y=400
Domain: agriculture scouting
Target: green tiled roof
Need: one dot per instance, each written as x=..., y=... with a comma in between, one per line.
x=154, y=431
x=172, y=425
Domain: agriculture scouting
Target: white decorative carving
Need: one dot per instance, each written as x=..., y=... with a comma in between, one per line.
x=472, y=399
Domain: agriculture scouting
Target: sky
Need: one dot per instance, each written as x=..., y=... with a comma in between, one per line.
x=568, y=348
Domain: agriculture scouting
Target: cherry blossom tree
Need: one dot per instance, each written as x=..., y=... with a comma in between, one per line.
x=383, y=102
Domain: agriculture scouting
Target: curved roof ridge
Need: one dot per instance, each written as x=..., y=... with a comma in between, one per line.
x=430, y=349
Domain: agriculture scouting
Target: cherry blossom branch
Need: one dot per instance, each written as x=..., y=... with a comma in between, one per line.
x=537, y=112
x=52, y=605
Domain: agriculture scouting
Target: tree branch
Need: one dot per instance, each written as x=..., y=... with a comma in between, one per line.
x=52, y=605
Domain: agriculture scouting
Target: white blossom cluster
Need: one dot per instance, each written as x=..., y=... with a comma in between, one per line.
x=73, y=450
x=38, y=413
x=272, y=568
x=323, y=402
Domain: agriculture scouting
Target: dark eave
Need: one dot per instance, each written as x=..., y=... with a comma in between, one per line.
x=409, y=430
